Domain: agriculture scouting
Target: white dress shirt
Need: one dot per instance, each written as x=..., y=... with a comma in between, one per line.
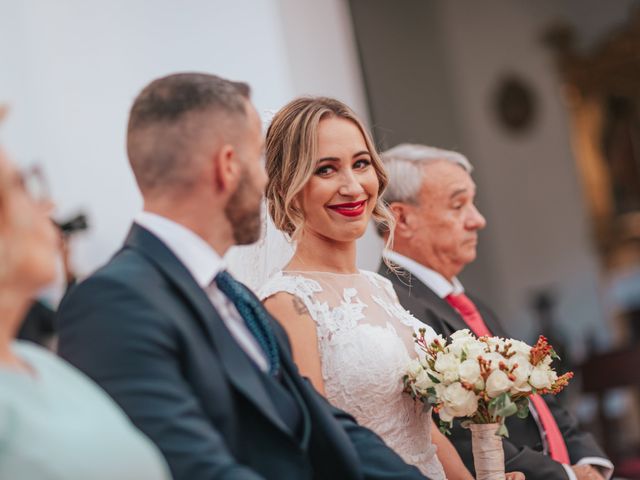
x=204, y=263
x=432, y=279
x=442, y=288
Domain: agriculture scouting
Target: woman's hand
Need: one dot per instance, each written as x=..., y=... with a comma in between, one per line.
x=515, y=476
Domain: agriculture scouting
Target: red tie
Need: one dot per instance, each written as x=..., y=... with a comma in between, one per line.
x=469, y=313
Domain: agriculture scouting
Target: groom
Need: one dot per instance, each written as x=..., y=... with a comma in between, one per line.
x=188, y=352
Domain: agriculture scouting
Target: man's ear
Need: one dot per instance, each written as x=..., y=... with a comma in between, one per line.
x=402, y=213
x=226, y=168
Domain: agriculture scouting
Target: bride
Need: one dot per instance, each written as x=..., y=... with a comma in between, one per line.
x=349, y=334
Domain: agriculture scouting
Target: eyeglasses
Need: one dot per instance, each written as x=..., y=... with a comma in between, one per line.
x=33, y=181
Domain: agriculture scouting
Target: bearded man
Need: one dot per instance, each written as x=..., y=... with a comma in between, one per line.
x=189, y=353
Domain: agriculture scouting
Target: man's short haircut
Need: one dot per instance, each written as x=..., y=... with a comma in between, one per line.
x=405, y=168
x=171, y=117
x=404, y=164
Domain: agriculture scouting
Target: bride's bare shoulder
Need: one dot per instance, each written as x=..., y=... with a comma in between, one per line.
x=291, y=312
x=286, y=307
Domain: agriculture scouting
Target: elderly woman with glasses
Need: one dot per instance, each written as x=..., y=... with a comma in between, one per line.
x=54, y=422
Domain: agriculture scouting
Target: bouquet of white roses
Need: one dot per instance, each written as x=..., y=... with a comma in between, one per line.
x=483, y=380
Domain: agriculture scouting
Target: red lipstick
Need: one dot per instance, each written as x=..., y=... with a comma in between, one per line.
x=350, y=209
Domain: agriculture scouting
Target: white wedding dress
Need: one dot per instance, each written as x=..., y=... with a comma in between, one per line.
x=365, y=338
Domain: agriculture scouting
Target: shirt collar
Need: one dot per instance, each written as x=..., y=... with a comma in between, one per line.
x=432, y=279
x=202, y=261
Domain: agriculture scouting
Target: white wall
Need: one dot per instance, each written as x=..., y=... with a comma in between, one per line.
x=71, y=68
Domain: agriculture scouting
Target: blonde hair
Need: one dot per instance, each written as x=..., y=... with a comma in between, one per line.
x=291, y=150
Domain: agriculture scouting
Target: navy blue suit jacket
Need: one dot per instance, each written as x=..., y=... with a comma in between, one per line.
x=144, y=330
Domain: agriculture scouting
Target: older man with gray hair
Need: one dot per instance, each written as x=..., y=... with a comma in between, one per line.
x=432, y=194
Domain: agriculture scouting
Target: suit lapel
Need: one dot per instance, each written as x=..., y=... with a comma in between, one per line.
x=238, y=367
x=329, y=437
x=489, y=318
x=335, y=440
x=432, y=304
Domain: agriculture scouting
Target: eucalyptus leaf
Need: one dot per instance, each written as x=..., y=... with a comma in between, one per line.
x=445, y=428
x=508, y=410
x=503, y=431
x=496, y=404
x=502, y=406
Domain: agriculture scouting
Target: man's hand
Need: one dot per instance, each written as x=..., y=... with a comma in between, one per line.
x=586, y=472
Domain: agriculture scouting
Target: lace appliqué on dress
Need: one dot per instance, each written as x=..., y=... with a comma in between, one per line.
x=365, y=339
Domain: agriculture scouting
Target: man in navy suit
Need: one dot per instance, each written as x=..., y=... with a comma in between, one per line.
x=431, y=194
x=188, y=352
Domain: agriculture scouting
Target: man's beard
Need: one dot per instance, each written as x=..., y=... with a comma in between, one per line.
x=245, y=216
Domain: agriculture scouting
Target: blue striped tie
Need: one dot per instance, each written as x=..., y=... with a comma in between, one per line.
x=254, y=316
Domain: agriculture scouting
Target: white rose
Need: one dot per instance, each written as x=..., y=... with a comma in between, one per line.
x=458, y=401
x=439, y=388
x=494, y=342
x=523, y=388
x=519, y=359
x=447, y=365
x=495, y=359
x=520, y=348
x=542, y=377
x=463, y=344
x=445, y=415
x=414, y=368
x=469, y=371
x=423, y=382
x=457, y=347
x=522, y=369
x=475, y=349
x=498, y=383
x=521, y=374
x=460, y=338
x=464, y=333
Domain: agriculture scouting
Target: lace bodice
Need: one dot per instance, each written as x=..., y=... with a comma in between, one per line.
x=365, y=339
